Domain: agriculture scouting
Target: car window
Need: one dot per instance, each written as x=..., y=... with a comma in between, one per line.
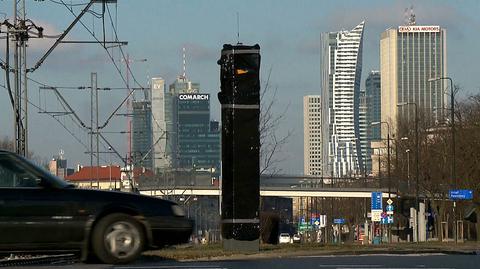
x=14, y=175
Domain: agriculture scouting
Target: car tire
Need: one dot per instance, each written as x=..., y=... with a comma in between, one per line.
x=117, y=239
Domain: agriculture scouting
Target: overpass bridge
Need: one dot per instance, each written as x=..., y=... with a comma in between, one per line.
x=275, y=191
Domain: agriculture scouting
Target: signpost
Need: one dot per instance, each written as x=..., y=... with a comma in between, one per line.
x=460, y=195
x=376, y=206
x=389, y=209
x=376, y=215
x=377, y=201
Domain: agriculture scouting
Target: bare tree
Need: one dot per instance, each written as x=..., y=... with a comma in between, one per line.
x=271, y=141
x=435, y=162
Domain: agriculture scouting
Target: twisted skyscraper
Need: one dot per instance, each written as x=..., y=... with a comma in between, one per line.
x=341, y=73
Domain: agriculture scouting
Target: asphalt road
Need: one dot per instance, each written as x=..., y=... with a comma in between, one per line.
x=375, y=261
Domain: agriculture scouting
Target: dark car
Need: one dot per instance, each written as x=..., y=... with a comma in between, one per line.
x=39, y=212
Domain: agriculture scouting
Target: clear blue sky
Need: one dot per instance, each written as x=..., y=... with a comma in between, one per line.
x=287, y=31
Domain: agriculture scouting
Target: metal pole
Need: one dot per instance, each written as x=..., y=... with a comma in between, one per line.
x=417, y=168
x=96, y=131
x=389, y=177
x=16, y=85
x=23, y=63
x=91, y=128
x=452, y=115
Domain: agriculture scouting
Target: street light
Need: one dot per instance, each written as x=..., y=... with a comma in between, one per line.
x=388, y=165
x=408, y=167
x=417, y=159
x=388, y=152
x=452, y=115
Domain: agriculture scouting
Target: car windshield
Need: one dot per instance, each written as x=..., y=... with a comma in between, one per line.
x=25, y=173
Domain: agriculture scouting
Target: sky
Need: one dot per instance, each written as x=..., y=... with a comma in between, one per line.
x=288, y=33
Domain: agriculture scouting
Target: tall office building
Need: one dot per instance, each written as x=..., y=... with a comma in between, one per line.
x=312, y=136
x=363, y=135
x=159, y=125
x=181, y=86
x=374, y=109
x=58, y=166
x=142, y=134
x=409, y=56
x=185, y=139
x=341, y=74
x=198, y=138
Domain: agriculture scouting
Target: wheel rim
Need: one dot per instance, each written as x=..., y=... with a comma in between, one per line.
x=122, y=239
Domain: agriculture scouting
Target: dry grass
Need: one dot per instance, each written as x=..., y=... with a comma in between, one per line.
x=215, y=251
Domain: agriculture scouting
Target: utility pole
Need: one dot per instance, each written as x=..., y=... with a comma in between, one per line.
x=20, y=36
x=94, y=134
x=20, y=31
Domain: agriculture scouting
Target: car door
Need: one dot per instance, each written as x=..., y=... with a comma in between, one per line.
x=33, y=214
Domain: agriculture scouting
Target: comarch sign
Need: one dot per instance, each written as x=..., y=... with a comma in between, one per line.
x=418, y=29
x=193, y=96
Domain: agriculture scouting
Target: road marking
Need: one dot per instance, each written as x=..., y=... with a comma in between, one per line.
x=395, y=267
x=373, y=254
x=172, y=266
x=350, y=265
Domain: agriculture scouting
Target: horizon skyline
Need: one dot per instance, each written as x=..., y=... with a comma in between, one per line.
x=291, y=51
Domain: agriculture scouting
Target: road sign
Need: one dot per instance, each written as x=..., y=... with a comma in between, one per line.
x=387, y=220
x=460, y=194
x=389, y=209
x=383, y=214
x=376, y=215
x=376, y=201
x=339, y=221
x=323, y=221
x=389, y=201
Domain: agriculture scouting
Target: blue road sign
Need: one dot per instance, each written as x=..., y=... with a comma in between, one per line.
x=387, y=220
x=460, y=194
x=377, y=201
x=389, y=207
x=339, y=221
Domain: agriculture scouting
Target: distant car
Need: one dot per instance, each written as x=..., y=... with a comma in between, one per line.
x=41, y=213
x=284, y=238
x=296, y=238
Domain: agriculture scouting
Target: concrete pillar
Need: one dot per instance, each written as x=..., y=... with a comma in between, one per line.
x=422, y=227
x=413, y=222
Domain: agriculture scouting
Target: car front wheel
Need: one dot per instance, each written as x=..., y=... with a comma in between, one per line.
x=117, y=239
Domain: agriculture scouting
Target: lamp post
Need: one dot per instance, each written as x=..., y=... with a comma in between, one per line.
x=416, y=161
x=110, y=158
x=408, y=167
x=388, y=167
x=452, y=116
x=388, y=153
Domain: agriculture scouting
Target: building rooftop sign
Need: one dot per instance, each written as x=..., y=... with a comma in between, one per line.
x=193, y=96
x=418, y=28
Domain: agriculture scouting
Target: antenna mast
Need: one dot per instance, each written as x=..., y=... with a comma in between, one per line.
x=411, y=18
x=184, y=75
x=238, y=28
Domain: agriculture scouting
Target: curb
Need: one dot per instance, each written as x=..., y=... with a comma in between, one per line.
x=300, y=253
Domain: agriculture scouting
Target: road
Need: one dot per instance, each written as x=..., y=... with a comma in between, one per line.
x=375, y=261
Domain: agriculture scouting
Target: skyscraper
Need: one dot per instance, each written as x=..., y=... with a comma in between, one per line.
x=159, y=124
x=312, y=136
x=142, y=134
x=184, y=137
x=363, y=136
x=409, y=56
x=374, y=109
x=198, y=138
x=341, y=74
